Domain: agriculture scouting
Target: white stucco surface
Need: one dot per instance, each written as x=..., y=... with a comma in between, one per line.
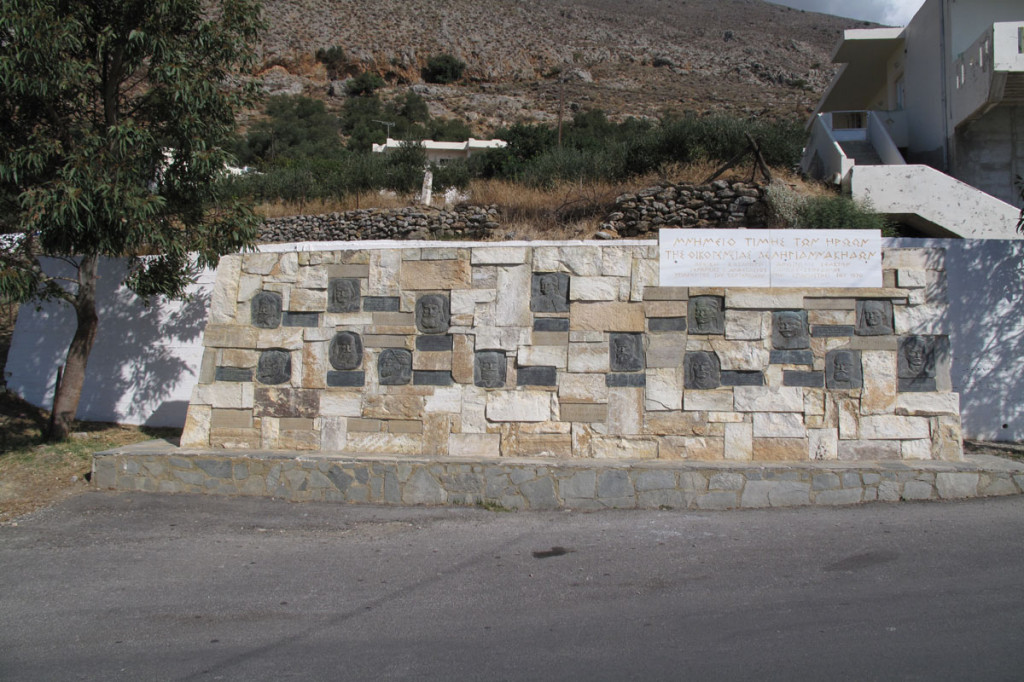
x=146, y=361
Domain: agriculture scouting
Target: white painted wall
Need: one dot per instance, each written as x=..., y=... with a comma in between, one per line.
x=146, y=361
x=923, y=80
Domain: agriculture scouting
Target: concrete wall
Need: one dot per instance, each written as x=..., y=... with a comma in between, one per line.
x=989, y=150
x=986, y=323
x=924, y=77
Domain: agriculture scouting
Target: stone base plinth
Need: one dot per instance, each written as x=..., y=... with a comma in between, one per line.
x=547, y=483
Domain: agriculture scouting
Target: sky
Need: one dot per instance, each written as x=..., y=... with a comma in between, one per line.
x=887, y=12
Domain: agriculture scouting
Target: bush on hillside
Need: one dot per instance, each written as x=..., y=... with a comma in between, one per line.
x=443, y=68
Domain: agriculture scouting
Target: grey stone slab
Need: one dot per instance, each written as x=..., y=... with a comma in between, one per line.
x=825, y=481
x=537, y=376
x=726, y=481
x=843, y=369
x=432, y=378
x=301, y=319
x=233, y=374
x=792, y=377
x=874, y=317
x=339, y=478
x=540, y=493
x=790, y=494
x=828, y=330
x=915, y=490
x=755, y=494
x=655, y=480
x=338, y=378
x=551, y=324
x=215, y=468
x=549, y=292
x=434, y=343
x=839, y=497
x=718, y=500
x=265, y=310
x=613, y=483
x=625, y=380
x=381, y=304
x=666, y=324
x=956, y=485
x=345, y=351
x=275, y=367
x=916, y=385
x=791, y=357
x=422, y=488
x=742, y=378
x=851, y=479
x=663, y=499
x=433, y=314
x=581, y=485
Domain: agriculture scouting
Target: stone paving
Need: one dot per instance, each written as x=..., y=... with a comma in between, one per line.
x=547, y=483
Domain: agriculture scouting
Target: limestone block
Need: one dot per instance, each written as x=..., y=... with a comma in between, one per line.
x=224, y=394
x=384, y=443
x=814, y=402
x=546, y=259
x=813, y=303
x=893, y=427
x=333, y=434
x=720, y=400
x=695, y=448
x=908, y=278
x=336, y=404
x=587, y=337
x=780, y=449
x=864, y=450
x=774, y=299
x=289, y=338
x=501, y=338
x=664, y=389
x=314, y=365
x=665, y=309
x=298, y=440
x=248, y=286
x=582, y=412
x=921, y=319
x=831, y=317
x=607, y=317
x=928, y=404
x=779, y=425
x=952, y=486
x=594, y=288
x=500, y=255
x=512, y=304
x=879, y=393
x=916, y=449
x=822, y=444
x=235, y=439
x=435, y=275
x=349, y=270
x=749, y=325
x=196, y=433
x=608, y=447
x=464, y=301
x=915, y=258
x=676, y=423
x=947, y=438
x=616, y=261
x=849, y=419
x=385, y=264
x=223, y=299
x=229, y=336
x=474, y=402
x=645, y=274
x=285, y=270
x=313, y=277
x=233, y=357
x=739, y=441
x=583, y=261
x=544, y=445
x=432, y=360
x=325, y=333
x=741, y=354
x=625, y=411
x=393, y=406
x=474, y=445
x=548, y=356
x=446, y=399
x=769, y=399
x=437, y=429
x=665, y=350
x=259, y=263
x=582, y=388
x=519, y=406
x=588, y=357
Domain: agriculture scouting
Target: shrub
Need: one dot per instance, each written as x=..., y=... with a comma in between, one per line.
x=333, y=59
x=839, y=213
x=443, y=68
x=364, y=85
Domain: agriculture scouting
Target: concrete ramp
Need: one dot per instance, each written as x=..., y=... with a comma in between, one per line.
x=933, y=202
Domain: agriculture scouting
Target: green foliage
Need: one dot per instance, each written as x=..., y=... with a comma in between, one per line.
x=839, y=213
x=295, y=127
x=443, y=68
x=413, y=108
x=114, y=125
x=333, y=59
x=364, y=84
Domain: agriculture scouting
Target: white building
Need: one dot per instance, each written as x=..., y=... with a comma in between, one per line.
x=925, y=121
x=443, y=152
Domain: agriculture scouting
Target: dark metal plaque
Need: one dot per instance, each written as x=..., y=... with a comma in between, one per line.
x=266, y=310
x=702, y=370
x=394, y=367
x=432, y=314
x=275, y=367
x=489, y=369
x=626, y=352
x=706, y=315
x=843, y=369
x=549, y=292
x=346, y=351
x=789, y=330
x=874, y=318
x=343, y=295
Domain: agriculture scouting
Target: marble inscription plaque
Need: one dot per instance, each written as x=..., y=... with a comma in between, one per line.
x=432, y=314
x=549, y=292
x=843, y=369
x=346, y=351
x=714, y=258
x=275, y=367
x=706, y=315
x=789, y=330
x=343, y=295
x=394, y=367
x=266, y=310
x=626, y=352
x=874, y=318
x=489, y=369
x=702, y=370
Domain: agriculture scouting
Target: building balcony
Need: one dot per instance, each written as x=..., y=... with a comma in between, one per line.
x=990, y=72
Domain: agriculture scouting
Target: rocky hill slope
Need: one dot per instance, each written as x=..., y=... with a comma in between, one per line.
x=527, y=58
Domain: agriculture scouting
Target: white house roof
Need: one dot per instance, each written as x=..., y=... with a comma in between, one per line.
x=864, y=53
x=432, y=145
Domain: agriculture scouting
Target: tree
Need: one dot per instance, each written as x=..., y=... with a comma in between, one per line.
x=295, y=127
x=115, y=121
x=443, y=68
x=364, y=85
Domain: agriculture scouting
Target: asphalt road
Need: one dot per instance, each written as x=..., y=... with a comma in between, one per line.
x=113, y=586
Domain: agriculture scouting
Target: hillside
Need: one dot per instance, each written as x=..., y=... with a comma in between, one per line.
x=641, y=58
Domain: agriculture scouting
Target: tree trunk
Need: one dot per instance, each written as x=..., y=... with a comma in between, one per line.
x=69, y=392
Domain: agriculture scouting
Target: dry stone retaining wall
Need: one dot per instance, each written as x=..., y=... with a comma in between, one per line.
x=568, y=350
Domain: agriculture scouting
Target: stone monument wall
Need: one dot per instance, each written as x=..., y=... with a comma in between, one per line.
x=568, y=350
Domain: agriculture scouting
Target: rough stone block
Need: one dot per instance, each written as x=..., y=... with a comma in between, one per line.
x=519, y=406
x=864, y=450
x=594, y=288
x=588, y=357
x=822, y=444
x=928, y=404
x=474, y=445
x=741, y=355
x=780, y=449
x=749, y=325
x=438, y=275
x=553, y=356
x=769, y=399
x=879, y=394
x=761, y=299
x=500, y=255
x=779, y=425
x=665, y=350
x=700, y=448
x=720, y=400
x=893, y=427
x=739, y=441
x=664, y=389
x=916, y=449
x=512, y=304
x=583, y=412
x=607, y=317
x=610, y=447
x=393, y=407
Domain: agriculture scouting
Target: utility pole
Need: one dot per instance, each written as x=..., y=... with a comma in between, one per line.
x=387, y=124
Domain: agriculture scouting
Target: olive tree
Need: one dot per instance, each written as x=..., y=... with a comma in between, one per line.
x=116, y=117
